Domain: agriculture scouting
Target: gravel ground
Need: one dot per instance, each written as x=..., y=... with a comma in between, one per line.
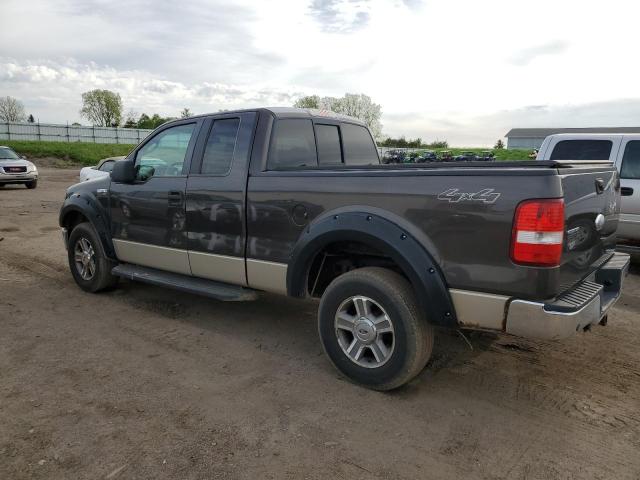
x=143, y=382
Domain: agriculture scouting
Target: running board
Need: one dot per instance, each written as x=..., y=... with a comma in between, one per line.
x=177, y=281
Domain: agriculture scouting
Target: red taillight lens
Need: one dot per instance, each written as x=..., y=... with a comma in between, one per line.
x=538, y=230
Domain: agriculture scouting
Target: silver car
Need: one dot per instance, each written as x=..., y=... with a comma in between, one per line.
x=15, y=169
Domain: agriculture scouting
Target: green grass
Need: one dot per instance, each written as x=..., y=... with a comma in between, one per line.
x=76, y=152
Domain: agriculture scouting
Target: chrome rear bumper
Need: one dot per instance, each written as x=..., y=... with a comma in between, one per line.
x=584, y=305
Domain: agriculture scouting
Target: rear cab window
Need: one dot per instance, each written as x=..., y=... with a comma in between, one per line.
x=582, y=150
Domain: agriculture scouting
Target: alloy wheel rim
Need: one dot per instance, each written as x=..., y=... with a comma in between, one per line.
x=365, y=332
x=85, y=258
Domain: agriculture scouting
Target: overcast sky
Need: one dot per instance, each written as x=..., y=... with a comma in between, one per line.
x=462, y=70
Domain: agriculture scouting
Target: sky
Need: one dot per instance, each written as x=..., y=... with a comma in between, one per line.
x=465, y=71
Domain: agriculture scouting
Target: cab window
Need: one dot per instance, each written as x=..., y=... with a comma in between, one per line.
x=293, y=145
x=218, y=153
x=631, y=161
x=582, y=150
x=359, y=147
x=165, y=153
x=329, y=151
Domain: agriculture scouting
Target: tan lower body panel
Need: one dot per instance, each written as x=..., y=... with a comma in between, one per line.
x=479, y=310
x=267, y=276
x=154, y=256
x=218, y=267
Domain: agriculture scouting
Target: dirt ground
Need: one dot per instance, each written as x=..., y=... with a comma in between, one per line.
x=144, y=382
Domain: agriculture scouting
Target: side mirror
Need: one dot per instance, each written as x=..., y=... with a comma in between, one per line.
x=124, y=171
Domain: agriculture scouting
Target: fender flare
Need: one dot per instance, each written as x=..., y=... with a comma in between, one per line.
x=92, y=210
x=414, y=260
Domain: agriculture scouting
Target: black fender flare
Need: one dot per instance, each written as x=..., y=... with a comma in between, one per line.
x=417, y=264
x=89, y=207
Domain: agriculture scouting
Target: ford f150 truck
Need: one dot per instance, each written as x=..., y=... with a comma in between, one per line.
x=296, y=202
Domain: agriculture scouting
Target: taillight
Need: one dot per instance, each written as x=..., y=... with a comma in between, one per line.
x=538, y=230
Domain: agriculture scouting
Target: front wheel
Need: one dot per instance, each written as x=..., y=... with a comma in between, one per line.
x=372, y=329
x=32, y=184
x=90, y=267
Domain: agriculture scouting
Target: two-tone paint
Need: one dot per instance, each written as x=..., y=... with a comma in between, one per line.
x=255, y=227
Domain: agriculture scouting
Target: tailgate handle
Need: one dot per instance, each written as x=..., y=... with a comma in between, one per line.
x=626, y=191
x=599, y=186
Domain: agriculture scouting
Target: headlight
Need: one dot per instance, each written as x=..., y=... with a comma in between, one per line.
x=31, y=167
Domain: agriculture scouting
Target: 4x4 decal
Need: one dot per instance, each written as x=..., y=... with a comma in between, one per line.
x=454, y=195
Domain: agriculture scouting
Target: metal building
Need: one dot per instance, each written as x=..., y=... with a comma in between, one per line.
x=532, y=138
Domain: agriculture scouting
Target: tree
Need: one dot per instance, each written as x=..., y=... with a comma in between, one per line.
x=152, y=122
x=30, y=119
x=130, y=120
x=102, y=107
x=499, y=145
x=310, y=101
x=359, y=106
x=11, y=110
x=186, y=113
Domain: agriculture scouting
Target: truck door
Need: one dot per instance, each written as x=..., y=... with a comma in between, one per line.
x=628, y=165
x=148, y=215
x=216, y=190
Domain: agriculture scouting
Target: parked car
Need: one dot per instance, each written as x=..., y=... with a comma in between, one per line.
x=621, y=149
x=237, y=205
x=486, y=156
x=427, y=156
x=16, y=169
x=411, y=157
x=393, y=156
x=466, y=157
x=103, y=168
x=446, y=156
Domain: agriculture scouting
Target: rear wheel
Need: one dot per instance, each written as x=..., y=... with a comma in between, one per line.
x=32, y=184
x=90, y=267
x=372, y=329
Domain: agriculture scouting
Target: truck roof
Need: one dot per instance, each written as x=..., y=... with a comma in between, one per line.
x=291, y=112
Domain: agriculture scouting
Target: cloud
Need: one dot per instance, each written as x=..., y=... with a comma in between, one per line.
x=52, y=90
x=340, y=16
x=527, y=55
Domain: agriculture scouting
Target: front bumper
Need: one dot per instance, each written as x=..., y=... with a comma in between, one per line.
x=579, y=308
x=8, y=178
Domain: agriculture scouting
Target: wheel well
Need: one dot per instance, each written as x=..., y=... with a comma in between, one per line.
x=340, y=257
x=73, y=219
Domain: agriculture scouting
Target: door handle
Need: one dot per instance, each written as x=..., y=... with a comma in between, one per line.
x=626, y=191
x=175, y=198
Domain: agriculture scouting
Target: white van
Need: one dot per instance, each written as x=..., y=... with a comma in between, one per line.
x=621, y=149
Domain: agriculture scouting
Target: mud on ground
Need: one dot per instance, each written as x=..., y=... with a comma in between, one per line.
x=144, y=382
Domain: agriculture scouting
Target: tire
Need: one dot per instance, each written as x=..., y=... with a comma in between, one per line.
x=83, y=239
x=32, y=184
x=392, y=320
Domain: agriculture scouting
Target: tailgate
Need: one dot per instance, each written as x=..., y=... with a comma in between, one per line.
x=592, y=206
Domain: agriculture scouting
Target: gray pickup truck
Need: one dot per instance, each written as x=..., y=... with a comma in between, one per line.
x=296, y=202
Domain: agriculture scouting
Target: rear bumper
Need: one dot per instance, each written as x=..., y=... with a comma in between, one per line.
x=584, y=305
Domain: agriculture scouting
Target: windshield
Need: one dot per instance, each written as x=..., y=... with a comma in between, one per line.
x=7, y=153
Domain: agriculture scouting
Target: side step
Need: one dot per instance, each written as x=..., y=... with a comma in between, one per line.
x=177, y=281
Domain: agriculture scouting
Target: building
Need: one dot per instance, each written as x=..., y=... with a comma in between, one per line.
x=532, y=138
